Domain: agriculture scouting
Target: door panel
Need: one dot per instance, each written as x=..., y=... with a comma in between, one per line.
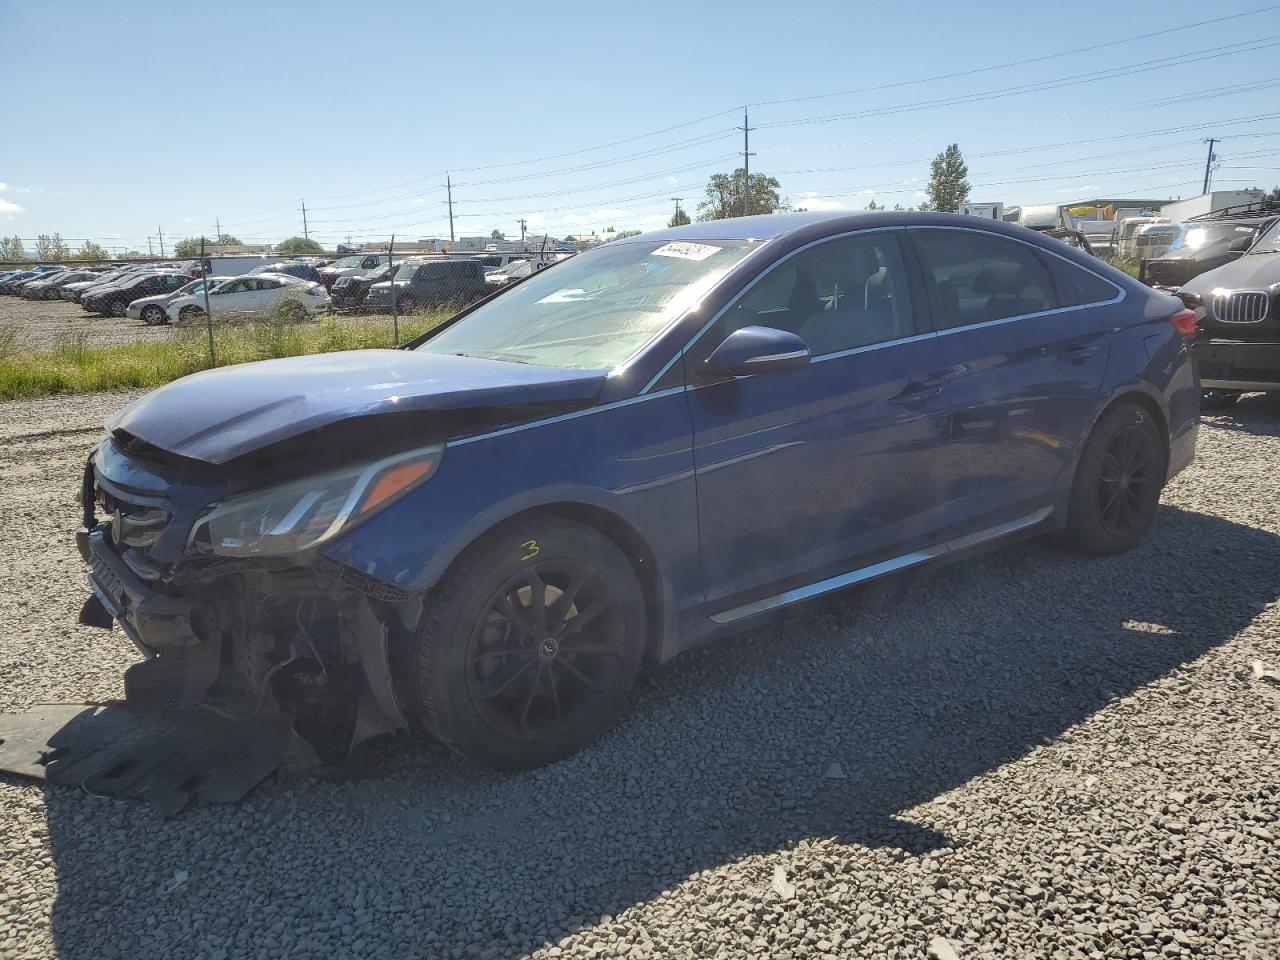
x=1028, y=373
x=834, y=464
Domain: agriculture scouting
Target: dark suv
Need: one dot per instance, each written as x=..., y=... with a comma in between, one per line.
x=1238, y=318
x=1208, y=241
x=430, y=283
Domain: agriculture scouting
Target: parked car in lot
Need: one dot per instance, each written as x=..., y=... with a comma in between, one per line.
x=289, y=268
x=430, y=282
x=250, y=295
x=1206, y=242
x=353, y=266
x=49, y=287
x=77, y=291
x=352, y=290
x=14, y=281
x=659, y=441
x=1237, y=348
x=155, y=310
x=1153, y=240
x=114, y=300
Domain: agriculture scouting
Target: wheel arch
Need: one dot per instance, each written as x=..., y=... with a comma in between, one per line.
x=1147, y=402
x=617, y=530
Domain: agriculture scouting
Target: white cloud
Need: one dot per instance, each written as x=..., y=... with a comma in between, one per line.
x=812, y=201
x=416, y=201
x=188, y=219
x=3, y=187
x=536, y=219
x=655, y=218
x=605, y=213
x=574, y=218
x=673, y=179
x=11, y=208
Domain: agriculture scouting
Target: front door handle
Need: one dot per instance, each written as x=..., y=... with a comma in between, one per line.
x=1077, y=352
x=917, y=391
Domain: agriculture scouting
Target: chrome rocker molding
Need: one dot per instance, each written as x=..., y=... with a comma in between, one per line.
x=880, y=569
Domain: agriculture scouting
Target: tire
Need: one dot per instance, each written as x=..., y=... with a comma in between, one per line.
x=406, y=304
x=1117, y=485
x=117, y=308
x=51, y=294
x=189, y=314
x=154, y=316
x=498, y=690
x=1218, y=399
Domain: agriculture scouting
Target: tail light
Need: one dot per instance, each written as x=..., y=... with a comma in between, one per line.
x=1184, y=321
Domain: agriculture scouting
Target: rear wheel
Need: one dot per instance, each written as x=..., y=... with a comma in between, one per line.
x=51, y=294
x=1218, y=399
x=154, y=316
x=117, y=308
x=531, y=645
x=1118, y=481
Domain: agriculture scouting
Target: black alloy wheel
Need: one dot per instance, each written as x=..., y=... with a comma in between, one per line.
x=546, y=651
x=117, y=308
x=1129, y=481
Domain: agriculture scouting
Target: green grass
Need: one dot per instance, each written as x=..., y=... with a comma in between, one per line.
x=75, y=366
x=1128, y=266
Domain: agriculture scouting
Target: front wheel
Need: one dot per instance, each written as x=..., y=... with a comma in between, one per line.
x=51, y=294
x=530, y=646
x=117, y=308
x=1218, y=399
x=1118, y=481
x=190, y=314
x=154, y=316
x=406, y=304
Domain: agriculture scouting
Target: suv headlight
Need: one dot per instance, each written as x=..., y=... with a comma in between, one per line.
x=302, y=514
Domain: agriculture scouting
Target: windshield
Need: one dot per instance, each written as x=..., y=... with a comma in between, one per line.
x=596, y=310
x=1269, y=242
x=407, y=271
x=346, y=263
x=1195, y=236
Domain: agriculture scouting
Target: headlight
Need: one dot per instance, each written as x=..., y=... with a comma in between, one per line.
x=302, y=514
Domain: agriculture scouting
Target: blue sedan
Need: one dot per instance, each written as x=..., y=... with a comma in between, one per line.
x=486, y=534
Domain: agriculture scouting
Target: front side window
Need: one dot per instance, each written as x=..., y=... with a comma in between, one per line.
x=981, y=277
x=1269, y=242
x=839, y=295
x=597, y=309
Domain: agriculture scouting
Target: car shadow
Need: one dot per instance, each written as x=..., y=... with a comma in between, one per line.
x=1257, y=414
x=721, y=757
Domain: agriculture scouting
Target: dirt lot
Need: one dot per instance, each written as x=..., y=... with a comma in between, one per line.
x=1043, y=756
x=41, y=324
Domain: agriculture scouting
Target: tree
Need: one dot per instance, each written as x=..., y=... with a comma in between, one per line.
x=91, y=251
x=1274, y=195
x=190, y=247
x=872, y=205
x=497, y=234
x=11, y=248
x=678, y=219
x=948, y=181
x=51, y=247
x=297, y=245
x=724, y=195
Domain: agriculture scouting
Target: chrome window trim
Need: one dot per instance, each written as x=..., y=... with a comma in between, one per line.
x=560, y=418
x=760, y=276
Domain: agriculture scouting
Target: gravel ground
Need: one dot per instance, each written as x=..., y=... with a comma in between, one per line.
x=1043, y=756
x=42, y=324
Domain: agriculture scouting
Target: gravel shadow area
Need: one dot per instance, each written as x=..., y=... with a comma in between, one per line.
x=1042, y=756
x=44, y=324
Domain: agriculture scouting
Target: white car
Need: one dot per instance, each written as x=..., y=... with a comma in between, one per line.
x=155, y=310
x=247, y=296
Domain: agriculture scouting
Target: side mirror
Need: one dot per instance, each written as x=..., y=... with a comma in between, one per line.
x=751, y=350
x=1240, y=244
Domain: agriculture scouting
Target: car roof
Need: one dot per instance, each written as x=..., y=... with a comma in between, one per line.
x=814, y=224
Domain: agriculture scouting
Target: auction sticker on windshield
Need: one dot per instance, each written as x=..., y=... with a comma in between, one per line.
x=686, y=251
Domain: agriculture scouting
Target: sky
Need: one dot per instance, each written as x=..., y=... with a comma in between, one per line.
x=134, y=119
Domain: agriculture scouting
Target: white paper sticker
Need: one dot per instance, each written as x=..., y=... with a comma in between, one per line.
x=686, y=251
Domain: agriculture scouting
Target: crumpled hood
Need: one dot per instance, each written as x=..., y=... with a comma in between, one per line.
x=1257, y=272
x=219, y=415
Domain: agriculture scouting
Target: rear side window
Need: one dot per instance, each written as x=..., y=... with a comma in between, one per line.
x=981, y=277
x=1078, y=286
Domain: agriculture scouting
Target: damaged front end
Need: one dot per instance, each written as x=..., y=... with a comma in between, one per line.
x=234, y=610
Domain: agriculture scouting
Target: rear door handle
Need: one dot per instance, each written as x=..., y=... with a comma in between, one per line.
x=917, y=391
x=1077, y=352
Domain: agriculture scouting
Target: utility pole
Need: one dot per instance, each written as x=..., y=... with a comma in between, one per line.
x=160, y=232
x=305, y=234
x=746, y=164
x=1208, y=163
x=448, y=185
x=676, y=215
x=522, y=231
